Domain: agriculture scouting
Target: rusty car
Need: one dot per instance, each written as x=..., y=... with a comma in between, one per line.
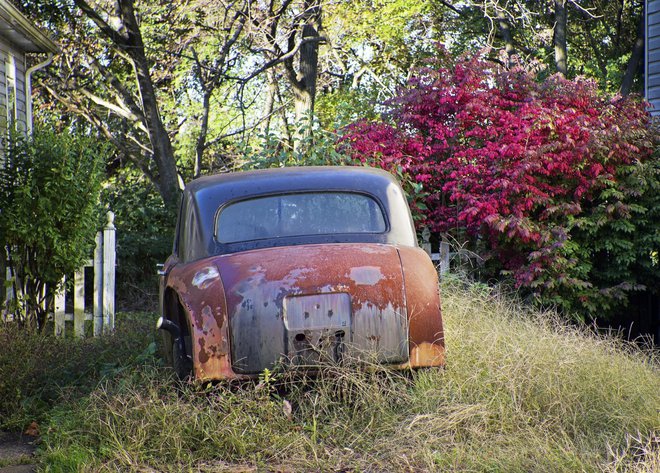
x=294, y=266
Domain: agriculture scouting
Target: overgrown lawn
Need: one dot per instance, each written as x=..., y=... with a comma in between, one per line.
x=521, y=392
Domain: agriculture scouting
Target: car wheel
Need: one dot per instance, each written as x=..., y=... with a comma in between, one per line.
x=181, y=363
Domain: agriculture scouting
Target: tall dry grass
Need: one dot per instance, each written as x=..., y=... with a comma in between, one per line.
x=521, y=392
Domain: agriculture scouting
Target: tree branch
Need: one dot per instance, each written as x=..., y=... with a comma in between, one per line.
x=109, y=31
x=279, y=59
x=122, y=112
x=100, y=125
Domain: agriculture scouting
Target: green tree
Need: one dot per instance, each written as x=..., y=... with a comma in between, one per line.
x=49, y=214
x=596, y=38
x=140, y=73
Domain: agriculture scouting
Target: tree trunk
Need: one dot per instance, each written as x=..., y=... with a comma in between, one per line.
x=285, y=120
x=269, y=105
x=304, y=90
x=559, y=37
x=200, y=146
x=160, y=140
x=304, y=81
x=619, y=25
x=505, y=31
x=635, y=57
x=128, y=38
x=161, y=145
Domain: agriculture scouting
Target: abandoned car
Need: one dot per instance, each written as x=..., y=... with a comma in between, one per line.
x=295, y=266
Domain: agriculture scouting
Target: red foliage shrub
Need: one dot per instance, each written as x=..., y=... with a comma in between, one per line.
x=513, y=164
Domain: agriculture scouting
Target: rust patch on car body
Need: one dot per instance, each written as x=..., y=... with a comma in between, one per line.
x=206, y=314
x=260, y=285
x=274, y=305
x=426, y=333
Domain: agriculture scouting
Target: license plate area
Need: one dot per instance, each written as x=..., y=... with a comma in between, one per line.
x=317, y=327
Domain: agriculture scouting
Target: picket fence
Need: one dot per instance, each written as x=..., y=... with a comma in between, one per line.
x=103, y=310
x=442, y=258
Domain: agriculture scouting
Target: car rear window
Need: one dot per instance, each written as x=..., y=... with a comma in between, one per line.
x=299, y=214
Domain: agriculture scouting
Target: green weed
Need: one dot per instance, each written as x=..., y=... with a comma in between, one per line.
x=38, y=371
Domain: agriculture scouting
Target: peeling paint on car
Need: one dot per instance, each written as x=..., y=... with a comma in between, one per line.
x=205, y=277
x=366, y=275
x=373, y=299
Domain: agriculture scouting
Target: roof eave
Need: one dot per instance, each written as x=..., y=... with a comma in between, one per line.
x=36, y=41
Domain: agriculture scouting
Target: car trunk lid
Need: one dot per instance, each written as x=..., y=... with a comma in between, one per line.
x=308, y=303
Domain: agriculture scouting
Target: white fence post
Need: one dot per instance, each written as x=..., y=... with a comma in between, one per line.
x=444, y=256
x=79, y=303
x=9, y=294
x=426, y=240
x=103, y=315
x=98, y=285
x=441, y=258
x=109, y=274
x=59, y=316
x=4, y=276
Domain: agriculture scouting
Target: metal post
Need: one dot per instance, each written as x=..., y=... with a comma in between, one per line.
x=109, y=274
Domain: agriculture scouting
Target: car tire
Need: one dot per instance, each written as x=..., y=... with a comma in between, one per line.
x=181, y=363
x=165, y=347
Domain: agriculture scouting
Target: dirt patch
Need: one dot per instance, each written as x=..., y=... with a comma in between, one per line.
x=19, y=469
x=17, y=453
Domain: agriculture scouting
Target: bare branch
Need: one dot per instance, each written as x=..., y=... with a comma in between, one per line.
x=122, y=95
x=450, y=6
x=121, y=111
x=280, y=59
x=92, y=14
x=103, y=128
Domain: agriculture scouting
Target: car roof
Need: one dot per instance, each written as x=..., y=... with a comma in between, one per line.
x=265, y=181
x=205, y=195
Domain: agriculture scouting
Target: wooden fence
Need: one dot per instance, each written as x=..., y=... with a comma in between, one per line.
x=441, y=258
x=103, y=307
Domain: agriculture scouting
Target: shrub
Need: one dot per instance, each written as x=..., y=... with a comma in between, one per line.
x=554, y=184
x=49, y=202
x=38, y=371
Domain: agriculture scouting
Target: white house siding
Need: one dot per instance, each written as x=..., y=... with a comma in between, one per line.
x=3, y=94
x=19, y=61
x=21, y=108
x=653, y=55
